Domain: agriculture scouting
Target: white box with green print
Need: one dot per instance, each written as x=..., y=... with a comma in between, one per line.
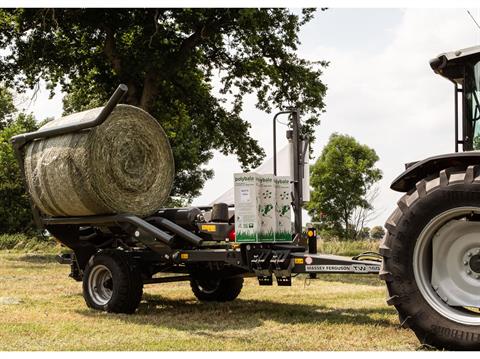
x=262, y=208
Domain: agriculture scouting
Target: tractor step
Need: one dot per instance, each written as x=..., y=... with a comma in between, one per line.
x=265, y=280
x=284, y=281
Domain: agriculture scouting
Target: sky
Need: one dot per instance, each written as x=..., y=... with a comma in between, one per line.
x=381, y=90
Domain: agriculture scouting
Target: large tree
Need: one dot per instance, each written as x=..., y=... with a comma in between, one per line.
x=341, y=179
x=190, y=68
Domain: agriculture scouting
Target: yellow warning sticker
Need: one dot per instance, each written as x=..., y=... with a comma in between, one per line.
x=298, y=260
x=209, y=227
x=184, y=255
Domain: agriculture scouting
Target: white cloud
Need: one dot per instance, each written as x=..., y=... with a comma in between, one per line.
x=392, y=100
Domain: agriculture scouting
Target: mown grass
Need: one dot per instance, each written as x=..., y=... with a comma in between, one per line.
x=42, y=309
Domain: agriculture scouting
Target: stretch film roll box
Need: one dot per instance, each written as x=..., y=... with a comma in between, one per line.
x=262, y=208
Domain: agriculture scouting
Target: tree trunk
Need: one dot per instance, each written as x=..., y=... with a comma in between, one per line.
x=150, y=90
x=132, y=94
x=346, y=218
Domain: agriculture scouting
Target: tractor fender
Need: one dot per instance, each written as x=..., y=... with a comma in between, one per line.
x=416, y=171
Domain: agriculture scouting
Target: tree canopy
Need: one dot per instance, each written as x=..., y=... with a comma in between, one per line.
x=341, y=179
x=15, y=213
x=174, y=62
x=7, y=108
x=377, y=232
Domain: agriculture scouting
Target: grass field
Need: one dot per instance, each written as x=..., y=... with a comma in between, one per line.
x=42, y=309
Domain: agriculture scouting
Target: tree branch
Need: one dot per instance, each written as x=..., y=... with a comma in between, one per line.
x=192, y=41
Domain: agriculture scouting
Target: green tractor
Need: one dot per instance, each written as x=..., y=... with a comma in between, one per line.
x=431, y=251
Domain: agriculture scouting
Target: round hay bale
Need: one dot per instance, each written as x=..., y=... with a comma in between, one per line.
x=125, y=165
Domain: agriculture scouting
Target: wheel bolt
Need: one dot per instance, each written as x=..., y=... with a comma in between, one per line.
x=465, y=262
x=469, y=254
x=469, y=272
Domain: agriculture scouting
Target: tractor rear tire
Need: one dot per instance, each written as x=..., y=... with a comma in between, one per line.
x=111, y=284
x=420, y=216
x=216, y=289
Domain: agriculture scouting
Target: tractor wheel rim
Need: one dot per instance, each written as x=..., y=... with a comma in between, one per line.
x=208, y=286
x=100, y=285
x=427, y=273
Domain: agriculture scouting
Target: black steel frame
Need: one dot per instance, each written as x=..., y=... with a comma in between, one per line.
x=298, y=155
x=156, y=232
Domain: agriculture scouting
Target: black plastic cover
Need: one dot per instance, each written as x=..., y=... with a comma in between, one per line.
x=433, y=165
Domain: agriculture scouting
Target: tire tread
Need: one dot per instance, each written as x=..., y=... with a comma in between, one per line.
x=130, y=285
x=396, y=270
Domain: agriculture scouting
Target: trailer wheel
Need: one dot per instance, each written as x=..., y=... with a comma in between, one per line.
x=431, y=260
x=110, y=284
x=216, y=289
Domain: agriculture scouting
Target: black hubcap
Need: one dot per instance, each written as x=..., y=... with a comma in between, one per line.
x=475, y=263
x=108, y=284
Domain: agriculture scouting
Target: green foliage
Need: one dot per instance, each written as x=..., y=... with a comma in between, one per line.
x=175, y=202
x=476, y=142
x=364, y=233
x=377, y=232
x=25, y=242
x=7, y=107
x=170, y=59
x=346, y=248
x=340, y=179
x=15, y=213
x=45, y=121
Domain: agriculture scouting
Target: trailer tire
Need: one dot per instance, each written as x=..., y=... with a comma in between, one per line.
x=413, y=226
x=111, y=283
x=216, y=289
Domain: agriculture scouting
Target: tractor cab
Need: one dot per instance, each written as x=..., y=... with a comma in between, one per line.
x=462, y=67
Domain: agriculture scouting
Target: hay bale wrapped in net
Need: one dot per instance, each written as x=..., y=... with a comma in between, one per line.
x=124, y=165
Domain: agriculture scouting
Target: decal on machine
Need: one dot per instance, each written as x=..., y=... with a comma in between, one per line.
x=352, y=268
